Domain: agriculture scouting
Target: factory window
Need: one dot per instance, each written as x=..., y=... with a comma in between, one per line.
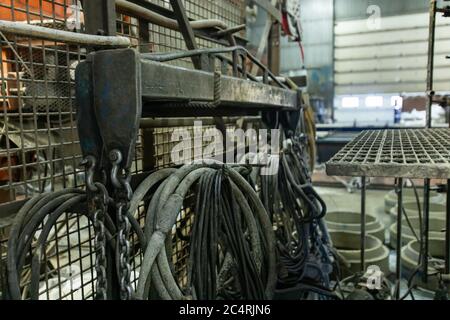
x=374, y=101
x=350, y=102
x=397, y=102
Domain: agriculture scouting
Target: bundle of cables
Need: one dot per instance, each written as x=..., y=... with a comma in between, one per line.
x=30, y=232
x=232, y=245
x=297, y=212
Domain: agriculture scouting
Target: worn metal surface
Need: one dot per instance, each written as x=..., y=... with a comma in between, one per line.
x=179, y=84
x=117, y=99
x=39, y=145
x=267, y=6
x=186, y=30
x=163, y=84
x=102, y=17
x=421, y=153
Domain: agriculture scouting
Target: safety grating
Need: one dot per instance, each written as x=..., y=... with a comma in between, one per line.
x=405, y=153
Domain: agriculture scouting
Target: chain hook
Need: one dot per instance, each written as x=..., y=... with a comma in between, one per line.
x=90, y=163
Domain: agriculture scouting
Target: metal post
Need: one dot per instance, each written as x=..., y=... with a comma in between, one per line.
x=430, y=67
x=100, y=17
x=363, y=224
x=399, y=236
x=447, y=232
x=274, y=52
x=430, y=92
x=186, y=30
x=447, y=227
x=426, y=229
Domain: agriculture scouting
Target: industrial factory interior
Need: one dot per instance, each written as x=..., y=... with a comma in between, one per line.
x=225, y=155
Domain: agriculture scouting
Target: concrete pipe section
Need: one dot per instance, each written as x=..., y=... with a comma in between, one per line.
x=410, y=260
x=348, y=245
x=437, y=227
x=390, y=200
x=436, y=210
x=343, y=221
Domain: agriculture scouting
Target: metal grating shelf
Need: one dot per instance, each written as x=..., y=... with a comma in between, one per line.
x=401, y=153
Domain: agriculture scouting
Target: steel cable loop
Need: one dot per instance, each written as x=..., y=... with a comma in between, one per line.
x=164, y=210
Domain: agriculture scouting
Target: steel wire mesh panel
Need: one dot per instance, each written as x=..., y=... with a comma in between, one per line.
x=161, y=39
x=419, y=153
x=39, y=147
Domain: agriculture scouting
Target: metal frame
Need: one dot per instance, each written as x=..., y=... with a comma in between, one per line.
x=388, y=153
x=175, y=89
x=434, y=10
x=212, y=36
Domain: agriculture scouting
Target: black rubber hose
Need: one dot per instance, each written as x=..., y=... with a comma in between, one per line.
x=22, y=238
x=173, y=203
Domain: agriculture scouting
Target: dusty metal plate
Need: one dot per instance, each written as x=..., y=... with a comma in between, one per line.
x=402, y=153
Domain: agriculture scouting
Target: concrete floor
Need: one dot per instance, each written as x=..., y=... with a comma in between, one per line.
x=339, y=199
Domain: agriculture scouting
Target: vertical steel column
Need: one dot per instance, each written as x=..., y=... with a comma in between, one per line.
x=186, y=30
x=100, y=18
x=363, y=223
x=426, y=229
x=447, y=228
x=447, y=232
x=430, y=93
x=430, y=67
x=274, y=52
x=399, y=236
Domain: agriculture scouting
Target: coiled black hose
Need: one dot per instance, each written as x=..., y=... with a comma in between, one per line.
x=45, y=210
x=248, y=252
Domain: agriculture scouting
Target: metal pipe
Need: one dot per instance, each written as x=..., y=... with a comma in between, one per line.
x=28, y=30
x=363, y=224
x=149, y=123
x=165, y=57
x=430, y=66
x=426, y=229
x=430, y=92
x=155, y=18
x=399, y=236
x=447, y=225
x=230, y=31
x=447, y=232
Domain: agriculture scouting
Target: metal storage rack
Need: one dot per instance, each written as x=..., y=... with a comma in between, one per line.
x=40, y=145
x=415, y=154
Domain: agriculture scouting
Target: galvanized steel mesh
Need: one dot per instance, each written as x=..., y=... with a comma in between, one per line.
x=39, y=147
x=406, y=153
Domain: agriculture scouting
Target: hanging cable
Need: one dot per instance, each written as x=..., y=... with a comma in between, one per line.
x=239, y=252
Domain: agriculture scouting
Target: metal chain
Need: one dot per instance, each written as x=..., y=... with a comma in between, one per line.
x=98, y=205
x=100, y=244
x=123, y=194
